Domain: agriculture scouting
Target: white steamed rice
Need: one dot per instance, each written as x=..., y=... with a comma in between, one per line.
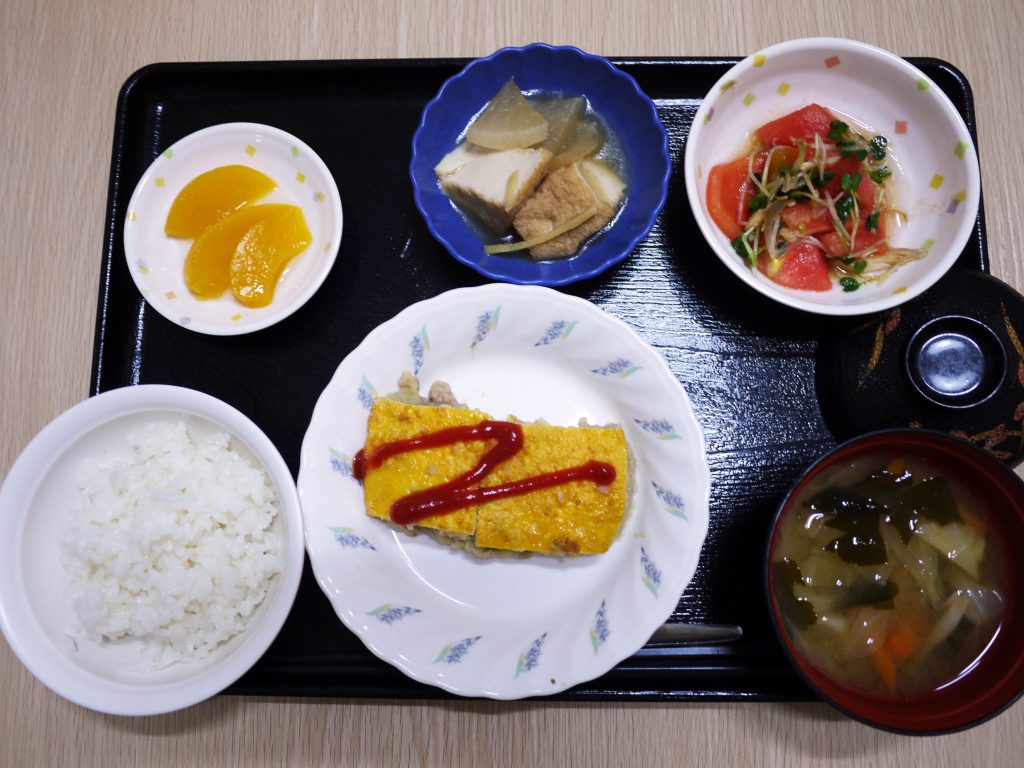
x=173, y=546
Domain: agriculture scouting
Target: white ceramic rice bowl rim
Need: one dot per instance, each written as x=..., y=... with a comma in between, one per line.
x=38, y=651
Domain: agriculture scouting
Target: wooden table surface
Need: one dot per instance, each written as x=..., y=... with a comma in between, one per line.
x=63, y=62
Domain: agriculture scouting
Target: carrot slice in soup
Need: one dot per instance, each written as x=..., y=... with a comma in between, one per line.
x=886, y=667
x=902, y=643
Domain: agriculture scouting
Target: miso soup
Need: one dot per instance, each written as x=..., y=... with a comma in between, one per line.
x=889, y=577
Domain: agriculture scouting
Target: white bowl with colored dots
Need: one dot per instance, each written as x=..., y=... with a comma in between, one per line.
x=156, y=261
x=935, y=179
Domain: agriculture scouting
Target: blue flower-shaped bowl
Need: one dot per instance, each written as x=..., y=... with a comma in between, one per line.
x=629, y=115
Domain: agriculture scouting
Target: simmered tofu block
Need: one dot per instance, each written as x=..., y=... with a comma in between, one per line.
x=492, y=184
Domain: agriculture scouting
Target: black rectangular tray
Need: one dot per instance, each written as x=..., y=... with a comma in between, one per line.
x=747, y=363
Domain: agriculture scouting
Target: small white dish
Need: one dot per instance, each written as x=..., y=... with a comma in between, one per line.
x=937, y=180
x=35, y=502
x=156, y=261
x=507, y=628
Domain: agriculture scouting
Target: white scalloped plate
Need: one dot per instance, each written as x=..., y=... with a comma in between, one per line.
x=508, y=628
x=156, y=262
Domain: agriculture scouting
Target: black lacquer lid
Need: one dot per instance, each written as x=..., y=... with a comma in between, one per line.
x=950, y=360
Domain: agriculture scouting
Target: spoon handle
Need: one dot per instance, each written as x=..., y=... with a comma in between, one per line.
x=695, y=634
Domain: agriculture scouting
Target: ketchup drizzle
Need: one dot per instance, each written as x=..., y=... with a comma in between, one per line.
x=460, y=492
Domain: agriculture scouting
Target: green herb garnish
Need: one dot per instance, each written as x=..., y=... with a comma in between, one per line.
x=876, y=147
x=849, y=284
x=854, y=148
x=871, y=222
x=757, y=202
x=849, y=182
x=880, y=174
x=844, y=207
x=823, y=179
x=859, y=266
x=836, y=130
x=744, y=249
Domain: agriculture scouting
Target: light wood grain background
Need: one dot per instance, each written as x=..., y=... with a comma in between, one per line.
x=61, y=65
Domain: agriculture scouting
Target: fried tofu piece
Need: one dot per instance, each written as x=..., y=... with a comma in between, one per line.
x=564, y=194
x=407, y=473
x=577, y=518
x=492, y=184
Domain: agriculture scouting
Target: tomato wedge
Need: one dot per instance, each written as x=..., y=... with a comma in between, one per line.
x=851, y=165
x=865, y=238
x=866, y=193
x=807, y=218
x=807, y=205
x=803, y=267
x=802, y=125
x=729, y=190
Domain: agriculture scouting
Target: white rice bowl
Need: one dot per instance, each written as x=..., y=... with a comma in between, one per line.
x=143, y=618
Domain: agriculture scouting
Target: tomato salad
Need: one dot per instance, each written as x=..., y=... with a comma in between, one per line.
x=809, y=202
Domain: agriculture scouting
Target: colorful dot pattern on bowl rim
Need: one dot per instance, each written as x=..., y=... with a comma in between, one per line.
x=900, y=127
